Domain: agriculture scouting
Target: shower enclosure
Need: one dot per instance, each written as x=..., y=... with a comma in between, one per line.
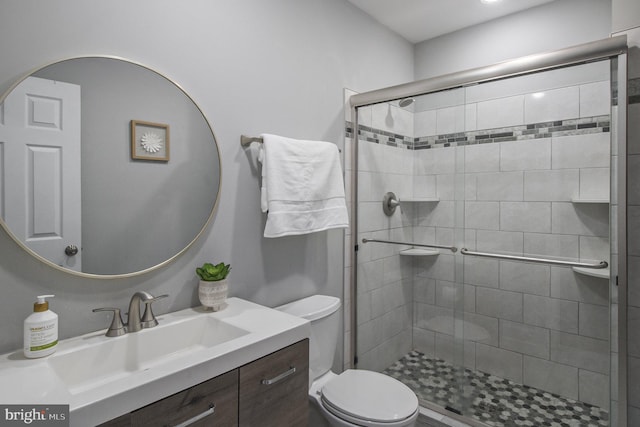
x=486, y=258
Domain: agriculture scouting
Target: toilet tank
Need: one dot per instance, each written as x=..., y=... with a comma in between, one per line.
x=322, y=312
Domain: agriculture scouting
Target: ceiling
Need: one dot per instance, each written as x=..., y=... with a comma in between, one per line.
x=419, y=20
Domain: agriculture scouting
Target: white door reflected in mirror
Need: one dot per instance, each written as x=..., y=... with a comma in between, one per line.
x=41, y=140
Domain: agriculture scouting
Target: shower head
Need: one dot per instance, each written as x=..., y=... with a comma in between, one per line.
x=405, y=102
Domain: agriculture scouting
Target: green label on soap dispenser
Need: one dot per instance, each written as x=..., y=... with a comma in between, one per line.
x=43, y=347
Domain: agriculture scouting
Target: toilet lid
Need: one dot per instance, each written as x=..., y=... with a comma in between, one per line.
x=368, y=395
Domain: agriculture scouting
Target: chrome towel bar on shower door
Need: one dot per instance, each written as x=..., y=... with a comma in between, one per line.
x=419, y=245
x=601, y=264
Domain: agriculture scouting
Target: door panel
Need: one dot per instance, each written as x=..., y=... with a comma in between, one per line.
x=40, y=142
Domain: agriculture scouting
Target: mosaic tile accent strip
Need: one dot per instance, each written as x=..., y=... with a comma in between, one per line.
x=517, y=133
x=378, y=136
x=489, y=399
x=556, y=128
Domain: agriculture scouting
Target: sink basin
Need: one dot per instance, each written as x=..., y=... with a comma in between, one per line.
x=111, y=359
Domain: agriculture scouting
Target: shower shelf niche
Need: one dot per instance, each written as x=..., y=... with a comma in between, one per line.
x=603, y=273
x=420, y=252
x=418, y=200
x=578, y=200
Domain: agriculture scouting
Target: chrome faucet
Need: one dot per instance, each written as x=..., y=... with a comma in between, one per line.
x=135, y=321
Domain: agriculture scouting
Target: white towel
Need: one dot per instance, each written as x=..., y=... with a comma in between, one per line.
x=302, y=186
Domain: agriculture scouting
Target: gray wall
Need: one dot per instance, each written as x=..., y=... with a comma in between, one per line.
x=549, y=27
x=252, y=66
x=625, y=15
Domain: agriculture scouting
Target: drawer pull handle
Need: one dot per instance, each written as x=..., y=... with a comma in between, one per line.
x=211, y=410
x=280, y=377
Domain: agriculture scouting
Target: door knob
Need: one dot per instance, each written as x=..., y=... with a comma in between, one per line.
x=71, y=250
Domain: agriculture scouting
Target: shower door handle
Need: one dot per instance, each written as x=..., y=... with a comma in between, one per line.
x=417, y=245
x=601, y=264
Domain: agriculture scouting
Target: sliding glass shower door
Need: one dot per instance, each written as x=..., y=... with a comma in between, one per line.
x=506, y=320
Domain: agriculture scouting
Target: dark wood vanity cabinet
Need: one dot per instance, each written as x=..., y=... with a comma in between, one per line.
x=270, y=391
x=213, y=402
x=274, y=389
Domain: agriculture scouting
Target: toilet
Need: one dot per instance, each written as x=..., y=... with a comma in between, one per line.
x=355, y=397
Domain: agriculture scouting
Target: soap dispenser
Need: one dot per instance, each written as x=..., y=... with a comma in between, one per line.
x=40, y=330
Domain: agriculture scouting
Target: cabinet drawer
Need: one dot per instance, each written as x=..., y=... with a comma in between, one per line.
x=122, y=421
x=221, y=392
x=272, y=393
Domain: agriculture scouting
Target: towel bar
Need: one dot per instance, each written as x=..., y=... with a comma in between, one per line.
x=245, y=140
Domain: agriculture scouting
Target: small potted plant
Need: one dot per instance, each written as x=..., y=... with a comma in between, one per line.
x=213, y=288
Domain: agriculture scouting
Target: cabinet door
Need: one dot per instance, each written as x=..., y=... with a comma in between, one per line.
x=122, y=421
x=211, y=403
x=274, y=389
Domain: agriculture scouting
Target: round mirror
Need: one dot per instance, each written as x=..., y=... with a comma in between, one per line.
x=107, y=168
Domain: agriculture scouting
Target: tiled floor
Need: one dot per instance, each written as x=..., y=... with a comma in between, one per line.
x=492, y=400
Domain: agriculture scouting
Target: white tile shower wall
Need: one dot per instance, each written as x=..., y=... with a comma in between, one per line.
x=596, y=72
x=535, y=324
x=523, y=297
x=503, y=112
x=549, y=105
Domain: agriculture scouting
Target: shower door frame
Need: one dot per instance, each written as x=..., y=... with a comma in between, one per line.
x=614, y=48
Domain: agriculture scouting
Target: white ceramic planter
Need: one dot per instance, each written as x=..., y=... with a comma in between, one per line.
x=213, y=294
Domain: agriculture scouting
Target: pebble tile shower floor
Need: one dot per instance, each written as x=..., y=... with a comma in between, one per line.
x=489, y=399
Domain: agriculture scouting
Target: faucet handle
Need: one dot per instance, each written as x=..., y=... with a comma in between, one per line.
x=116, y=328
x=148, y=318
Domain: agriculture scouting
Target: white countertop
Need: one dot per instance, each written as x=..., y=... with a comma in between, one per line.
x=34, y=381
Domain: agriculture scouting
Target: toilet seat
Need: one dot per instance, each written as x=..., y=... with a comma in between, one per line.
x=361, y=396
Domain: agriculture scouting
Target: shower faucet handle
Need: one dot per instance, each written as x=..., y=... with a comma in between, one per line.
x=389, y=203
